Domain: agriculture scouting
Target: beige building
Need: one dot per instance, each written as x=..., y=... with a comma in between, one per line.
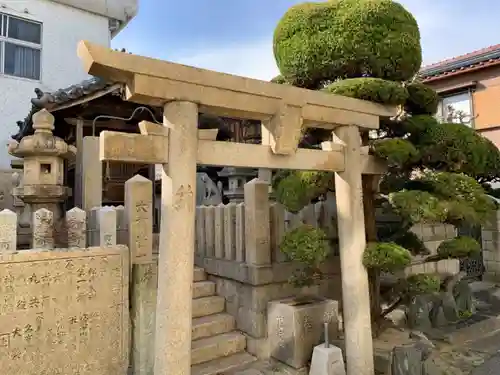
x=470, y=84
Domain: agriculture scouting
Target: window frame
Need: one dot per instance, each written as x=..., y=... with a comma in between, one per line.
x=5, y=39
x=469, y=93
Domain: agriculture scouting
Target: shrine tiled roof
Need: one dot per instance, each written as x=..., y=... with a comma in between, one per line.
x=469, y=62
x=64, y=97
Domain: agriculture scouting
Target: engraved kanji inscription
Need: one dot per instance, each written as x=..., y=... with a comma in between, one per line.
x=63, y=314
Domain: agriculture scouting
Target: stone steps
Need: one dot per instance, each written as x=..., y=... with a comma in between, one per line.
x=222, y=365
x=208, y=306
x=199, y=274
x=212, y=325
x=203, y=289
x=216, y=347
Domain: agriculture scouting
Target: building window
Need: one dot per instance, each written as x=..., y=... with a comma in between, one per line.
x=457, y=108
x=20, y=47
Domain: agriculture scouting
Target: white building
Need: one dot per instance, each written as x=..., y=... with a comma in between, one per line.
x=38, y=40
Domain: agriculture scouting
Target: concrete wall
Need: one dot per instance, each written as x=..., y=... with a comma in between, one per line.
x=433, y=234
x=491, y=248
x=63, y=27
x=122, y=10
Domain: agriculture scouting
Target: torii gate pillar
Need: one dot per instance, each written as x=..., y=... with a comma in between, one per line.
x=352, y=243
x=177, y=242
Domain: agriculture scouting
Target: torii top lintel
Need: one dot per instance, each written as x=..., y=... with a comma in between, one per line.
x=155, y=82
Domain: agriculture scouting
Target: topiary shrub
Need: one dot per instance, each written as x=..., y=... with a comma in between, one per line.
x=459, y=148
x=422, y=100
x=318, y=42
x=386, y=256
x=422, y=283
x=418, y=123
x=459, y=247
x=296, y=189
x=396, y=151
x=373, y=89
x=308, y=246
x=279, y=79
x=461, y=197
x=418, y=206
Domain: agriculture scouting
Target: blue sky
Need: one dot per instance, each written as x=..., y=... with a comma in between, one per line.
x=235, y=36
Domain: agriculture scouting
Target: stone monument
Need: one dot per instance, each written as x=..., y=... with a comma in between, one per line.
x=43, y=155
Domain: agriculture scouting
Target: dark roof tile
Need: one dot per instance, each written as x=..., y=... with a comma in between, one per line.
x=472, y=61
x=51, y=100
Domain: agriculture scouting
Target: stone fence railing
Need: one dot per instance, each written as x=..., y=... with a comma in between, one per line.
x=73, y=231
x=251, y=232
x=130, y=225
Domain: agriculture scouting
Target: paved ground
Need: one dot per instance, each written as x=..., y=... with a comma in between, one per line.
x=480, y=356
x=490, y=367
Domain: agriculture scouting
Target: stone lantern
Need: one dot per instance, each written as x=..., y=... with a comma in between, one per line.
x=43, y=166
x=236, y=180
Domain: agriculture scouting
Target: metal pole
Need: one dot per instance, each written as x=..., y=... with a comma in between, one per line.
x=327, y=343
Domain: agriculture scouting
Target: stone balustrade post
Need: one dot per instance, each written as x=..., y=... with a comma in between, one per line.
x=257, y=223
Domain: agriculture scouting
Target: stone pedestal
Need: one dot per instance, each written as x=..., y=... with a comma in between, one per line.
x=327, y=361
x=296, y=326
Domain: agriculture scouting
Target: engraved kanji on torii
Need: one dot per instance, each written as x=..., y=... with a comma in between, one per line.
x=178, y=146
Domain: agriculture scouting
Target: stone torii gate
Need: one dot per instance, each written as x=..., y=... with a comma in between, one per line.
x=179, y=146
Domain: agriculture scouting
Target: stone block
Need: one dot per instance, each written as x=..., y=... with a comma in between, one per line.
x=43, y=229
x=487, y=235
x=209, y=231
x=139, y=218
x=488, y=255
x=203, y=289
x=230, y=365
x=327, y=361
x=491, y=276
x=143, y=315
x=432, y=246
x=440, y=231
x=418, y=313
x=8, y=232
x=76, y=225
x=406, y=360
x=121, y=226
x=219, y=231
x=430, y=267
x=102, y=223
x=451, y=231
x=56, y=301
x=492, y=266
x=296, y=326
x=449, y=266
x=427, y=232
x=252, y=322
x=257, y=223
x=210, y=348
x=490, y=246
x=258, y=347
x=212, y=325
x=230, y=232
x=207, y=306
